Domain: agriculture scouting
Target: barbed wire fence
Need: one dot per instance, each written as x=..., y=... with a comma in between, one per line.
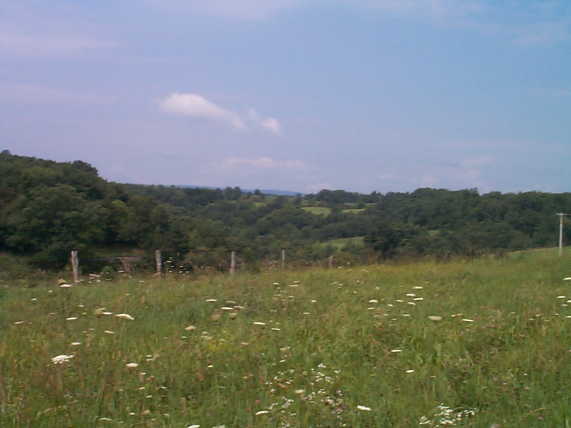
x=161, y=266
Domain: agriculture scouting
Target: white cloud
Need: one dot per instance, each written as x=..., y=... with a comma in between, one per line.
x=194, y=105
x=262, y=163
x=46, y=45
x=269, y=124
x=272, y=125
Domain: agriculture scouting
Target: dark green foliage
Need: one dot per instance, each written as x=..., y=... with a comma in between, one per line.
x=48, y=208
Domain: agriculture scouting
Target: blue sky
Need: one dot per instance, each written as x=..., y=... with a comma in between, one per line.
x=362, y=95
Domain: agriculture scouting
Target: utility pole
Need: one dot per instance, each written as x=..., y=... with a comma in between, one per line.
x=561, y=215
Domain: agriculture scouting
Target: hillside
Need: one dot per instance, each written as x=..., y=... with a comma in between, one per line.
x=48, y=208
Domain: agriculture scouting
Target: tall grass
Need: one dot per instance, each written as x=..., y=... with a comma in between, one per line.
x=427, y=344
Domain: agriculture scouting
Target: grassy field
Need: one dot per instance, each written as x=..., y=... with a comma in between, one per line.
x=480, y=344
x=323, y=211
x=340, y=243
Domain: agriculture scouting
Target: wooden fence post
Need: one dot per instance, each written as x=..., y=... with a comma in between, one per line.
x=75, y=266
x=159, y=263
x=232, y=263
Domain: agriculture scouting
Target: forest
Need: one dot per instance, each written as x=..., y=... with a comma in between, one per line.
x=48, y=208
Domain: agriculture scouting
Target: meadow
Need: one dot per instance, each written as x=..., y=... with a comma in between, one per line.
x=481, y=343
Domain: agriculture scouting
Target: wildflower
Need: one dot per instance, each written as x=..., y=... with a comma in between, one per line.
x=467, y=320
x=99, y=311
x=567, y=278
x=373, y=301
x=125, y=317
x=190, y=328
x=65, y=285
x=364, y=408
x=435, y=318
x=105, y=420
x=71, y=319
x=60, y=359
x=561, y=297
x=396, y=350
x=226, y=308
x=262, y=412
x=259, y=323
x=276, y=329
x=418, y=287
x=132, y=365
x=75, y=343
x=109, y=332
x=193, y=426
x=210, y=300
x=409, y=371
x=19, y=322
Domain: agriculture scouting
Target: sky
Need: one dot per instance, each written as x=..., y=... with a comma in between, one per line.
x=299, y=95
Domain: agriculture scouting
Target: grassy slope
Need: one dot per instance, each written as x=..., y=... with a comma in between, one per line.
x=341, y=243
x=326, y=347
x=323, y=211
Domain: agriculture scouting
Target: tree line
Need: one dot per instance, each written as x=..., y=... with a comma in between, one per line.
x=48, y=208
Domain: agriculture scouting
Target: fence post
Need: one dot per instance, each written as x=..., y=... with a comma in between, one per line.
x=159, y=263
x=75, y=266
x=283, y=258
x=330, y=262
x=232, y=262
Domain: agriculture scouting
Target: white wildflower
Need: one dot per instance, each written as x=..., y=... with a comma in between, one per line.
x=132, y=365
x=60, y=359
x=259, y=323
x=435, y=318
x=364, y=408
x=262, y=412
x=125, y=317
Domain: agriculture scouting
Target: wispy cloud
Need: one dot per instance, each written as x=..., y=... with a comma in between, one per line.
x=240, y=9
x=45, y=45
x=262, y=163
x=197, y=106
x=270, y=124
x=525, y=23
x=438, y=8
